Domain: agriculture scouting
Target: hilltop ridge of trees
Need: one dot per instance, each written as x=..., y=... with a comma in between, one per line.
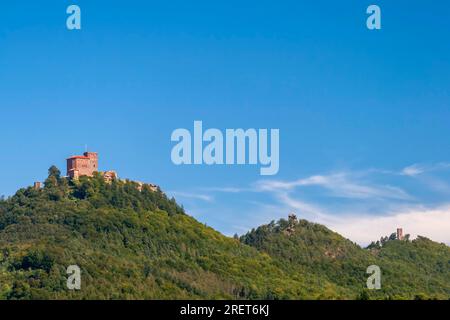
x=133, y=242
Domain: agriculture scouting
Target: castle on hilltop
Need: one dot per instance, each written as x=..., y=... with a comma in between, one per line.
x=86, y=165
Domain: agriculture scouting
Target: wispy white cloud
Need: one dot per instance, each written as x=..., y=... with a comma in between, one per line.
x=353, y=203
x=436, y=184
x=428, y=175
x=433, y=223
x=307, y=209
x=418, y=169
x=413, y=170
x=342, y=184
x=225, y=189
x=199, y=196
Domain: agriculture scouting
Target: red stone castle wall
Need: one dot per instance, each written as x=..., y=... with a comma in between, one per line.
x=84, y=165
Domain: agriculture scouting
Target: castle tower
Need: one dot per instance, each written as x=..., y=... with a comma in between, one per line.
x=292, y=219
x=399, y=234
x=93, y=159
x=84, y=165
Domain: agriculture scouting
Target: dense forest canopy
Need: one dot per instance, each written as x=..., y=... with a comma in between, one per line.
x=133, y=242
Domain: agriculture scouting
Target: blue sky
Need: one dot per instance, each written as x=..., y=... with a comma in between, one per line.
x=363, y=115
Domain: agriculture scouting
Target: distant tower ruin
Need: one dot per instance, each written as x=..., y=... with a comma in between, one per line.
x=84, y=165
x=292, y=219
x=400, y=234
x=109, y=176
x=292, y=223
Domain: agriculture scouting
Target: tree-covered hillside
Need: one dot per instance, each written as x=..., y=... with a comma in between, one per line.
x=135, y=243
x=418, y=269
x=129, y=244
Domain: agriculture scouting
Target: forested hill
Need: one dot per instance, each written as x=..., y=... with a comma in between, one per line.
x=417, y=269
x=135, y=243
